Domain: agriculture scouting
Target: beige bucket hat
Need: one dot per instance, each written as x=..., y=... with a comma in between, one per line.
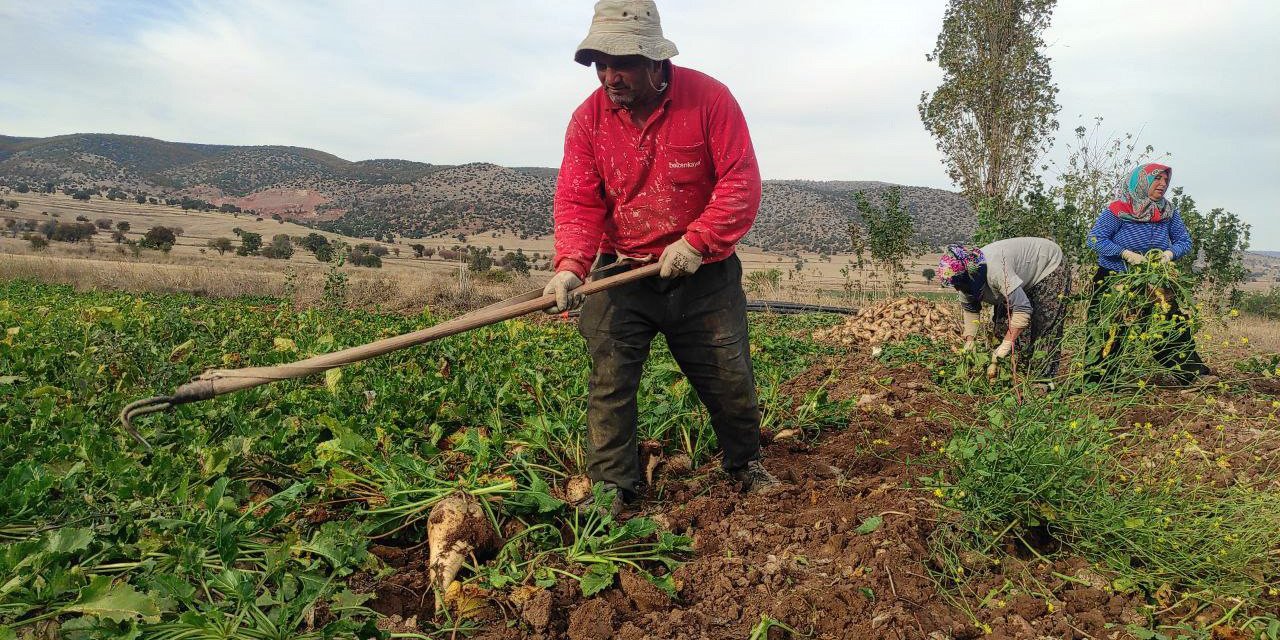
x=625, y=28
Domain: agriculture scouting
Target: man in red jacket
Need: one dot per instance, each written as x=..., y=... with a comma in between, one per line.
x=658, y=163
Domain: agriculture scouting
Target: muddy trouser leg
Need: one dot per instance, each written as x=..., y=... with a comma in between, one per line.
x=706, y=330
x=618, y=333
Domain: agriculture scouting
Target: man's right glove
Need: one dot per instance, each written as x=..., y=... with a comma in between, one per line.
x=1133, y=257
x=562, y=284
x=679, y=259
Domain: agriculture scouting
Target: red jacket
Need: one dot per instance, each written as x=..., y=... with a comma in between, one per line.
x=691, y=171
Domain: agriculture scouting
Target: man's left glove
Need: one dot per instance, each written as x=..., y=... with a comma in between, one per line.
x=562, y=284
x=1003, y=350
x=679, y=259
x=1166, y=256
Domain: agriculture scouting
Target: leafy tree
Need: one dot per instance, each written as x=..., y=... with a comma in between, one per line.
x=73, y=231
x=418, y=250
x=140, y=199
x=889, y=232
x=325, y=252
x=38, y=242
x=360, y=257
x=82, y=194
x=517, y=262
x=250, y=243
x=82, y=218
x=22, y=187
x=1219, y=240
x=12, y=204
x=928, y=274
x=118, y=237
x=123, y=226
x=479, y=260
x=221, y=245
x=159, y=237
x=993, y=115
x=49, y=188
x=281, y=247
x=428, y=252
x=103, y=223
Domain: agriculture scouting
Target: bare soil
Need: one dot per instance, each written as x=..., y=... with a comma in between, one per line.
x=795, y=555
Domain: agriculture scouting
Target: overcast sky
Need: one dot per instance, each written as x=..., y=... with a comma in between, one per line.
x=829, y=88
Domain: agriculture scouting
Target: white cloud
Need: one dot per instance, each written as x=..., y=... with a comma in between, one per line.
x=830, y=89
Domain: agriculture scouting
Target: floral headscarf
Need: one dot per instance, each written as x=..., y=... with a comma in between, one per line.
x=958, y=259
x=1132, y=201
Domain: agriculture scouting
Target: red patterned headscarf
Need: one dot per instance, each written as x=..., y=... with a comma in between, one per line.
x=1133, y=202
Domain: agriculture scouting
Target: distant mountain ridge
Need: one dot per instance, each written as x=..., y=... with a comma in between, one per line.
x=375, y=197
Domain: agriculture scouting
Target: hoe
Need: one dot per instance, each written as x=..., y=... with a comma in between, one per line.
x=217, y=382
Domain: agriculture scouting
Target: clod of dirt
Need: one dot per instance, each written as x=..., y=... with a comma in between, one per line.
x=678, y=464
x=534, y=604
x=891, y=321
x=644, y=596
x=456, y=528
x=592, y=620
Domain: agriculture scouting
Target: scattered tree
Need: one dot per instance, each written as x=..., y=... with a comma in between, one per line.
x=889, y=233
x=221, y=245
x=928, y=274
x=103, y=223
x=250, y=243
x=281, y=247
x=123, y=226
x=158, y=237
x=37, y=241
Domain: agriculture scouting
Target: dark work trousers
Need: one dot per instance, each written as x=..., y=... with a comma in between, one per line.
x=1178, y=354
x=704, y=319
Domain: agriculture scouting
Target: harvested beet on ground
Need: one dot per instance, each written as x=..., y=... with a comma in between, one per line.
x=893, y=320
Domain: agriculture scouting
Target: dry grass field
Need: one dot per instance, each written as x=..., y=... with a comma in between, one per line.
x=405, y=284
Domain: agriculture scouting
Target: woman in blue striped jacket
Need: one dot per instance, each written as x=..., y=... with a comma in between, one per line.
x=1139, y=220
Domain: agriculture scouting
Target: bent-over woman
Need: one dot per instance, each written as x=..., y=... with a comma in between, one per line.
x=1026, y=281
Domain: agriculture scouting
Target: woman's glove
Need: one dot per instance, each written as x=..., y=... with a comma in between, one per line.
x=1132, y=257
x=1003, y=350
x=1167, y=256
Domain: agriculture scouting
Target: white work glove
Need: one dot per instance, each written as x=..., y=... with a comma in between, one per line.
x=562, y=285
x=1167, y=256
x=1132, y=257
x=1003, y=350
x=679, y=259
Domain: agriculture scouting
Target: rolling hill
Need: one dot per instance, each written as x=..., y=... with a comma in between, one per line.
x=414, y=199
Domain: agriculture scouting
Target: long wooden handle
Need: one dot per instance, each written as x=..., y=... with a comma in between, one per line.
x=216, y=382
